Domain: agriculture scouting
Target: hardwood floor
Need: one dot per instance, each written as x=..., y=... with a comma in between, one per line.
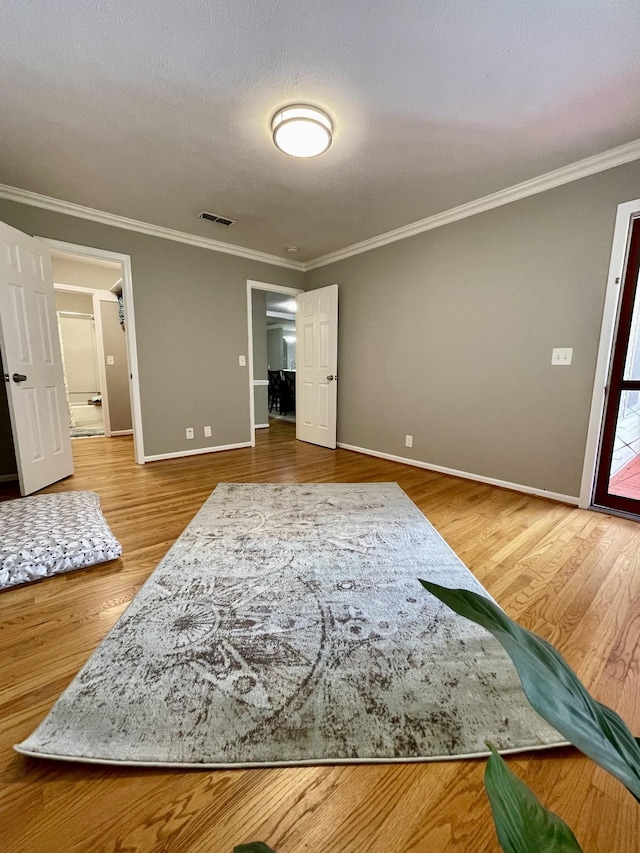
x=572, y=576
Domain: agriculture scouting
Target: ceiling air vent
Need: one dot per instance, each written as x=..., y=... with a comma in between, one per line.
x=213, y=217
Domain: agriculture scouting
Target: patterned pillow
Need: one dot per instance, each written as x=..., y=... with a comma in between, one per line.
x=49, y=534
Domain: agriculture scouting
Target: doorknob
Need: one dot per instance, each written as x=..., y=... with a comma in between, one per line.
x=330, y=378
x=19, y=377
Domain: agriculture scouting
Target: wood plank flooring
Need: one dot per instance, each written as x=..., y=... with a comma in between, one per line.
x=572, y=576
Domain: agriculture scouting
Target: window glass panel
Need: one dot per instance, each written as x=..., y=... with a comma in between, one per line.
x=624, y=475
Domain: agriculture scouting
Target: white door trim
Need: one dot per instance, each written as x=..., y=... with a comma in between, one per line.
x=75, y=288
x=273, y=288
x=130, y=330
x=609, y=318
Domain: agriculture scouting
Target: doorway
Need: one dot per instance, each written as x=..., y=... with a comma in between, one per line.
x=93, y=344
x=280, y=313
x=271, y=321
x=104, y=279
x=617, y=479
x=79, y=349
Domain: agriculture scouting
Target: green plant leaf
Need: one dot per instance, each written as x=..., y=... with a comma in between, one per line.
x=253, y=847
x=553, y=689
x=522, y=823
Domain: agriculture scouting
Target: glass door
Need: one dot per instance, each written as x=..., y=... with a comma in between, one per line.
x=617, y=484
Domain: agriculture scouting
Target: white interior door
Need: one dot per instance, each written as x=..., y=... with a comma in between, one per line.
x=32, y=362
x=317, y=366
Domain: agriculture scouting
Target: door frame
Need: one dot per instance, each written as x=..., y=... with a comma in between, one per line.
x=272, y=288
x=129, y=328
x=621, y=235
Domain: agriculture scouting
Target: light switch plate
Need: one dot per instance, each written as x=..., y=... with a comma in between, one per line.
x=110, y=359
x=207, y=432
x=562, y=355
x=242, y=361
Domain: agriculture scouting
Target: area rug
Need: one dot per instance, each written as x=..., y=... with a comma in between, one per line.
x=287, y=626
x=86, y=432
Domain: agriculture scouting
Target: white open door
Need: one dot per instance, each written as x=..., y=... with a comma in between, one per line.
x=317, y=365
x=32, y=363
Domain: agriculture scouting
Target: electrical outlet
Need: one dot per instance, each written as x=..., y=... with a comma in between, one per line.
x=408, y=441
x=562, y=355
x=189, y=432
x=207, y=432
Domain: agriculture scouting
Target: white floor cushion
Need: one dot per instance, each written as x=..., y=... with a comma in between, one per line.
x=49, y=534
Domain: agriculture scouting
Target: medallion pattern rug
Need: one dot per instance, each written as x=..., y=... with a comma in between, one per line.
x=287, y=625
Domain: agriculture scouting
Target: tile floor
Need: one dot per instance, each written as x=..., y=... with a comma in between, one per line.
x=626, y=483
x=626, y=443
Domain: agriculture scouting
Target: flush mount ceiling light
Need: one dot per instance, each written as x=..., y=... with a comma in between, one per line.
x=301, y=131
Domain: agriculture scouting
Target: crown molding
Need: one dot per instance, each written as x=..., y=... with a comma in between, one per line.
x=58, y=206
x=566, y=175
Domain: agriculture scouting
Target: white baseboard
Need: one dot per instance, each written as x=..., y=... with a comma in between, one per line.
x=196, y=452
x=262, y=426
x=516, y=487
x=120, y=432
x=7, y=478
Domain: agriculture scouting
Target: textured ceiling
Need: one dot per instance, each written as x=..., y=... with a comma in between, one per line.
x=156, y=110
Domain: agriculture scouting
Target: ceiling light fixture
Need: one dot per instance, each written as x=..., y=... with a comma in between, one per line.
x=301, y=131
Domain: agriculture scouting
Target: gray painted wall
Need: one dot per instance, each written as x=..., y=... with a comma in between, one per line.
x=261, y=402
x=275, y=348
x=191, y=323
x=259, y=318
x=447, y=336
x=117, y=374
